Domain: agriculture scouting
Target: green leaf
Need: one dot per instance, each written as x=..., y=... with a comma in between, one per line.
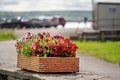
x=45, y=55
x=48, y=51
x=67, y=55
x=41, y=44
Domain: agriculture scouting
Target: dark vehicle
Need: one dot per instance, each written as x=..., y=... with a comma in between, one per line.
x=30, y=23
x=54, y=21
x=36, y=22
x=24, y=23
x=2, y=21
x=9, y=23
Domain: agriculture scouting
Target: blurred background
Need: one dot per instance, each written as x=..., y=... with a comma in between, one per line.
x=45, y=13
x=80, y=20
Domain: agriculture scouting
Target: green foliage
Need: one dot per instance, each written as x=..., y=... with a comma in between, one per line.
x=109, y=51
x=7, y=36
x=27, y=49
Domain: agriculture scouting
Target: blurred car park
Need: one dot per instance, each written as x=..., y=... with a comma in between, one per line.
x=47, y=21
x=38, y=22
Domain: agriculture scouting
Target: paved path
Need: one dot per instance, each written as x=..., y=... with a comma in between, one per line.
x=100, y=67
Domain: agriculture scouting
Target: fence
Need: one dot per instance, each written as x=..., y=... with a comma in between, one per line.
x=111, y=24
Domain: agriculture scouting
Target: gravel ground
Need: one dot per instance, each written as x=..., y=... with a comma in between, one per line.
x=90, y=68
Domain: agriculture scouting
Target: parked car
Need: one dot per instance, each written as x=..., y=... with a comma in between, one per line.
x=9, y=22
x=2, y=21
x=36, y=22
x=24, y=23
x=54, y=21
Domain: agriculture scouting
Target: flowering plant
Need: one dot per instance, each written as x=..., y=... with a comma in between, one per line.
x=46, y=45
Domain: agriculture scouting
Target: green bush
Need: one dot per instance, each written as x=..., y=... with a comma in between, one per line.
x=7, y=36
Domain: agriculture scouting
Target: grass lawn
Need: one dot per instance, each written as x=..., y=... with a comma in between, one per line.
x=108, y=51
x=7, y=36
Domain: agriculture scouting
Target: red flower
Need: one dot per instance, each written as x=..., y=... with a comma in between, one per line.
x=72, y=48
x=19, y=45
x=40, y=35
x=67, y=40
x=72, y=53
x=63, y=49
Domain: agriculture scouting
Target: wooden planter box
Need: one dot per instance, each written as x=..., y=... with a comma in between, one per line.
x=49, y=64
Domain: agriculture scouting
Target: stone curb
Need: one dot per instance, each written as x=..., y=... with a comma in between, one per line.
x=9, y=75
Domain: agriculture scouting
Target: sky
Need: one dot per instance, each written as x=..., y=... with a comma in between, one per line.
x=48, y=5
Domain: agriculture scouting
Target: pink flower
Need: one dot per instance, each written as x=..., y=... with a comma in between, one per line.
x=28, y=35
x=34, y=47
x=56, y=54
x=48, y=34
x=37, y=42
x=33, y=54
x=46, y=40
